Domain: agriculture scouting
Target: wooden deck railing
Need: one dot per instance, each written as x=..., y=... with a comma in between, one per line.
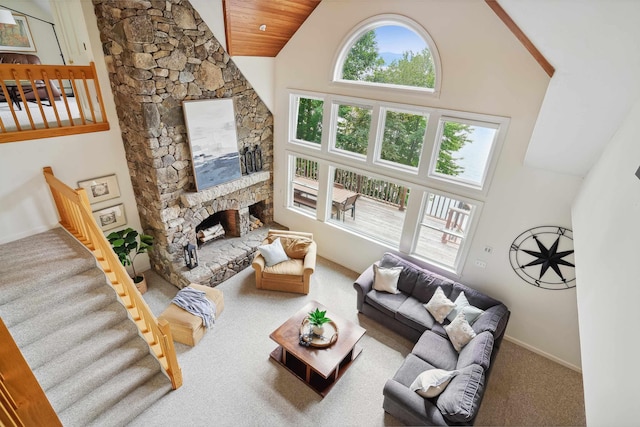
x=33, y=110
x=75, y=216
x=377, y=189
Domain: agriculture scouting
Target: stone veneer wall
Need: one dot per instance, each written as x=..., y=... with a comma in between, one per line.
x=160, y=53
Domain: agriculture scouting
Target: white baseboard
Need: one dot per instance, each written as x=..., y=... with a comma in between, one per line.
x=544, y=354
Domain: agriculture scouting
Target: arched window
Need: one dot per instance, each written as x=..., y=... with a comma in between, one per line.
x=389, y=51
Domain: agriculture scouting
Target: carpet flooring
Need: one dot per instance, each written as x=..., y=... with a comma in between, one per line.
x=84, y=351
x=229, y=379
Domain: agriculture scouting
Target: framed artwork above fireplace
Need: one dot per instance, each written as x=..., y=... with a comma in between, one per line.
x=211, y=129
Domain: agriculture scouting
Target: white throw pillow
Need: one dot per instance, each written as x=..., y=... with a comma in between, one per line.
x=432, y=382
x=471, y=313
x=386, y=279
x=460, y=332
x=439, y=305
x=274, y=253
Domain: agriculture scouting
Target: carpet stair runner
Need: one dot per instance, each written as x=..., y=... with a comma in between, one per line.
x=83, y=349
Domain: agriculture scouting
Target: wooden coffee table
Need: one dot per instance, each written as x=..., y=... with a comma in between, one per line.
x=319, y=368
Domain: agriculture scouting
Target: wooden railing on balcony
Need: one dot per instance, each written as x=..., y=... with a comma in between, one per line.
x=32, y=110
x=75, y=216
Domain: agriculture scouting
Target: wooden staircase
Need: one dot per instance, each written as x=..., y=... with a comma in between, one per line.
x=84, y=351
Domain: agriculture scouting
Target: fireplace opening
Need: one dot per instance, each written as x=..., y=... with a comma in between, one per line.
x=212, y=228
x=230, y=223
x=257, y=215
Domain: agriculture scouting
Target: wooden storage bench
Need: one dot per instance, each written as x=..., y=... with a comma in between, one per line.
x=187, y=328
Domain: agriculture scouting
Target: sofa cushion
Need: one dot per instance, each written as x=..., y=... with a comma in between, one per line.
x=432, y=382
x=295, y=247
x=411, y=367
x=386, y=279
x=475, y=297
x=292, y=267
x=477, y=352
x=385, y=302
x=427, y=285
x=410, y=272
x=460, y=401
x=413, y=314
x=494, y=319
x=436, y=350
x=439, y=305
x=459, y=331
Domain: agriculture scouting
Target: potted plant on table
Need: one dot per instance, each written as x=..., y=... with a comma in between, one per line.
x=127, y=242
x=317, y=319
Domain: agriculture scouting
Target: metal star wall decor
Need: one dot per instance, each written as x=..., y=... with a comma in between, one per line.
x=543, y=257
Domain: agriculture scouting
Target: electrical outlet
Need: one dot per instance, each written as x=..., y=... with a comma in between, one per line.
x=488, y=250
x=481, y=264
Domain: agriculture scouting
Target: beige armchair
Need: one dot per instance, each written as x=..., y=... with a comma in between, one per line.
x=293, y=275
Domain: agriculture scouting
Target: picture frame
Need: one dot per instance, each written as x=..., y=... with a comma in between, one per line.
x=17, y=37
x=111, y=217
x=101, y=188
x=212, y=134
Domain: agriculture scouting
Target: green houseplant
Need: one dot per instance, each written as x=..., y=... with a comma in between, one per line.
x=317, y=319
x=128, y=244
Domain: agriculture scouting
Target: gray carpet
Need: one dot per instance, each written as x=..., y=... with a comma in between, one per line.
x=86, y=354
x=230, y=380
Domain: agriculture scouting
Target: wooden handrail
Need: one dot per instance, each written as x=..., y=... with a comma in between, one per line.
x=22, y=400
x=75, y=216
x=56, y=118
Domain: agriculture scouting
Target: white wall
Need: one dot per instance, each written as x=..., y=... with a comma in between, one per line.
x=259, y=71
x=26, y=206
x=605, y=218
x=485, y=70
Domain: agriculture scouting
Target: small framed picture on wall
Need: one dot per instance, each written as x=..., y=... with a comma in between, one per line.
x=101, y=188
x=110, y=217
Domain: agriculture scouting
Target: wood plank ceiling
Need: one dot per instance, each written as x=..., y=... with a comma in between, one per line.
x=281, y=19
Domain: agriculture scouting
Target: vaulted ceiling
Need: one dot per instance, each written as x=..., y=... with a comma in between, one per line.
x=590, y=45
x=263, y=27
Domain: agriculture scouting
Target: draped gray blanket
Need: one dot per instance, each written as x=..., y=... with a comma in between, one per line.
x=196, y=303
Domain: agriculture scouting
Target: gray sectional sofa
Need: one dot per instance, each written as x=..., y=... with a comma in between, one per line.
x=405, y=314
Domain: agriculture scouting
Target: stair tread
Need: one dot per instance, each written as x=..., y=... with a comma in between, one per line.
x=58, y=342
x=56, y=317
x=85, y=380
x=24, y=270
x=80, y=356
x=85, y=410
x=135, y=403
x=31, y=304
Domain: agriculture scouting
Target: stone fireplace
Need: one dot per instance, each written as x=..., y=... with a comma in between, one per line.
x=159, y=54
x=230, y=205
